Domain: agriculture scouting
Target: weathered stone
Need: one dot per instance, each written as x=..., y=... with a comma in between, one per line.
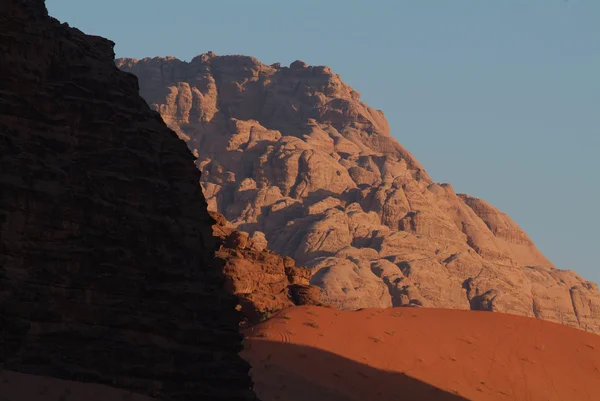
x=292, y=153
x=263, y=281
x=107, y=268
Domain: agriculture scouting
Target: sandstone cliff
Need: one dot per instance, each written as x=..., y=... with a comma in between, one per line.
x=293, y=157
x=107, y=268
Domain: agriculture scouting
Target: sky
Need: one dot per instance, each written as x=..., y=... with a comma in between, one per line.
x=500, y=98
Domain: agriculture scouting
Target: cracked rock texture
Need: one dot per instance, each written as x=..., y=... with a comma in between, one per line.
x=291, y=156
x=263, y=281
x=107, y=267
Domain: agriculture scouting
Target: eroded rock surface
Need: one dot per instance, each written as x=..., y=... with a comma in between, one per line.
x=293, y=157
x=107, y=268
x=263, y=281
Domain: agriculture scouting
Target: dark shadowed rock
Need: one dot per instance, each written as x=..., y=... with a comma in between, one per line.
x=107, y=268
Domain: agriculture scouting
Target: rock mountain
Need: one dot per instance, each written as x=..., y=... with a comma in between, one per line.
x=291, y=156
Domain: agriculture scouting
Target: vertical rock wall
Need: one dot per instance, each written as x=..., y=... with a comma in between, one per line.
x=107, y=268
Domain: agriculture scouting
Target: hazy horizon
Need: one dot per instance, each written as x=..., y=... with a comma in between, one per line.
x=500, y=99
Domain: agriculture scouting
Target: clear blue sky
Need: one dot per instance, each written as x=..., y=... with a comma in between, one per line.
x=500, y=98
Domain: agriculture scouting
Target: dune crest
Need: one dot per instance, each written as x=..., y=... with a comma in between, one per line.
x=420, y=354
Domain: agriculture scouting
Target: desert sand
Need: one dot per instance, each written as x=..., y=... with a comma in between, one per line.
x=313, y=353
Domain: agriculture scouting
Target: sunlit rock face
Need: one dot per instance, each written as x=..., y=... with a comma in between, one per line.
x=292, y=156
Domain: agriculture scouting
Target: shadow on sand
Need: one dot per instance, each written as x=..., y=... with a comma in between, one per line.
x=290, y=372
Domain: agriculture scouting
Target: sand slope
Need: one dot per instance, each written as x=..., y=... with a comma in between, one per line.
x=312, y=353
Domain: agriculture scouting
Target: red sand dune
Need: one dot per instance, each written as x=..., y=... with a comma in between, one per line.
x=319, y=354
x=312, y=353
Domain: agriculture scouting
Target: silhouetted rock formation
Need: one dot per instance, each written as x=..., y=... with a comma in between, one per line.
x=107, y=268
x=291, y=156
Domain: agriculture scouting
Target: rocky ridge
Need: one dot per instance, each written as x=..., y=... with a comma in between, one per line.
x=107, y=267
x=293, y=157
